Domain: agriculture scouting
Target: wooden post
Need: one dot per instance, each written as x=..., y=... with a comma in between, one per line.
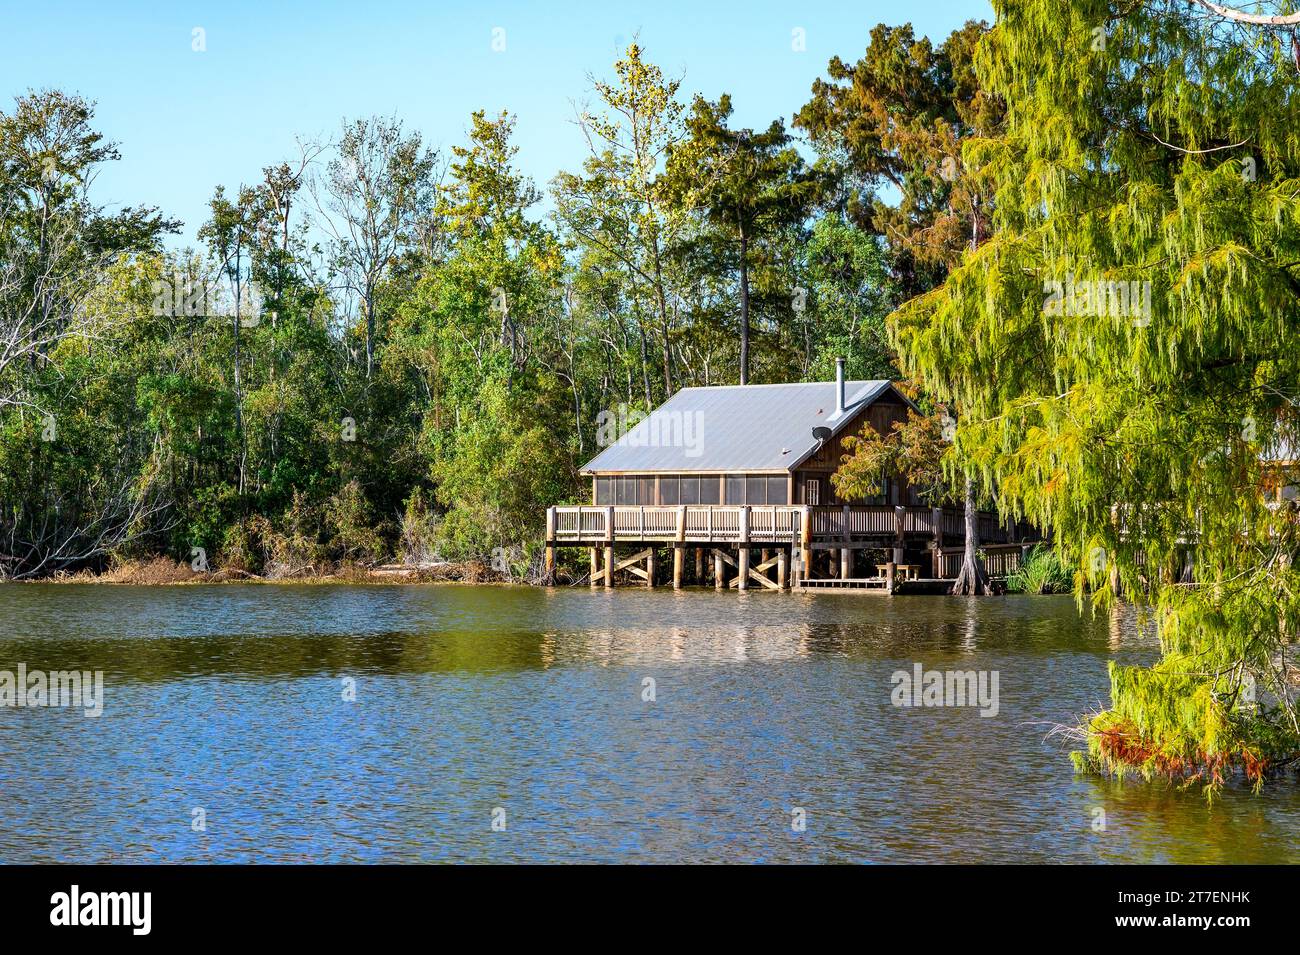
x=679, y=548
x=699, y=565
x=846, y=555
x=719, y=572
x=550, y=544
x=889, y=578
x=650, y=569
x=609, y=546
x=744, y=548
x=900, y=530
x=805, y=540
x=936, y=516
x=782, y=568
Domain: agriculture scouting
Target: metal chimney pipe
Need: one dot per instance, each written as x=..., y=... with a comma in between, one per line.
x=839, y=387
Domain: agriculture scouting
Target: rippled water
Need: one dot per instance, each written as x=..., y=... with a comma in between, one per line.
x=230, y=699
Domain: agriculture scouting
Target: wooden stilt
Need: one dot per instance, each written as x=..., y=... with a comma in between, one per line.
x=699, y=565
x=744, y=548
x=679, y=558
x=595, y=566
x=650, y=568
x=782, y=568
x=719, y=571
x=609, y=547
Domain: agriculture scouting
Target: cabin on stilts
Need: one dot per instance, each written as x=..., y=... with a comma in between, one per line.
x=732, y=486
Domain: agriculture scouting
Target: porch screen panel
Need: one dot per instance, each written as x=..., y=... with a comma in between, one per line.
x=776, y=490
x=709, y=486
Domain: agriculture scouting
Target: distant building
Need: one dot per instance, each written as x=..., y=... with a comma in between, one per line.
x=748, y=444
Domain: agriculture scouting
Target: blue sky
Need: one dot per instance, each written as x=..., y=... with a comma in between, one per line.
x=187, y=120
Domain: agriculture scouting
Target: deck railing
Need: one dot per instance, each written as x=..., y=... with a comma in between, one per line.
x=702, y=523
x=999, y=560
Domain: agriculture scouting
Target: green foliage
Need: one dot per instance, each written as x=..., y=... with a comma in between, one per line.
x=912, y=449
x=1042, y=572
x=1164, y=154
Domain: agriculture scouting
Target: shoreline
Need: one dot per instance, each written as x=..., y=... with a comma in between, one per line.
x=162, y=572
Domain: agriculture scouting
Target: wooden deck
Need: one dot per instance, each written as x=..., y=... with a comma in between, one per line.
x=778, y=546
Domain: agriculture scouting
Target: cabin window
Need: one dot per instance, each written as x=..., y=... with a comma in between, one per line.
x=604, y=490
x=626, y=490
x=776, y=487
x=755, y=489
x=669, y=490
x=690, y=490
x=645, y=490
x=709, y=486
x=735, y=489
x=812, y=491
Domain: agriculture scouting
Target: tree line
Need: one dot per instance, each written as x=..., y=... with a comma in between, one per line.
x=382, y=348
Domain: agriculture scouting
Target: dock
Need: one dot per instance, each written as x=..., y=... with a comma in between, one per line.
x=800, y=548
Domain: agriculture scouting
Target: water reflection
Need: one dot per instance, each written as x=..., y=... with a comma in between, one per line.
x=230, y=698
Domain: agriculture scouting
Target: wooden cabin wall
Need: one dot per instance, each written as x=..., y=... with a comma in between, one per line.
x=881, y=415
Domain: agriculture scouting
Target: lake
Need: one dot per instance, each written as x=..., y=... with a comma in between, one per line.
x=494, y=724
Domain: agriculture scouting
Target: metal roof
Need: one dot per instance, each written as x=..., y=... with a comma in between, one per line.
x=735, y=427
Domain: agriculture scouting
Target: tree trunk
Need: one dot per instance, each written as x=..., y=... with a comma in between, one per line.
x=971, y=580
x=744, y=305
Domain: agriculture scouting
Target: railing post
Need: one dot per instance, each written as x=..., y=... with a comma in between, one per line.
x=743, y=582
x=900, y=530
x=805, y=540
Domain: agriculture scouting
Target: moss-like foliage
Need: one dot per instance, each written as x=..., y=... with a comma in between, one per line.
x=1123, y=349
